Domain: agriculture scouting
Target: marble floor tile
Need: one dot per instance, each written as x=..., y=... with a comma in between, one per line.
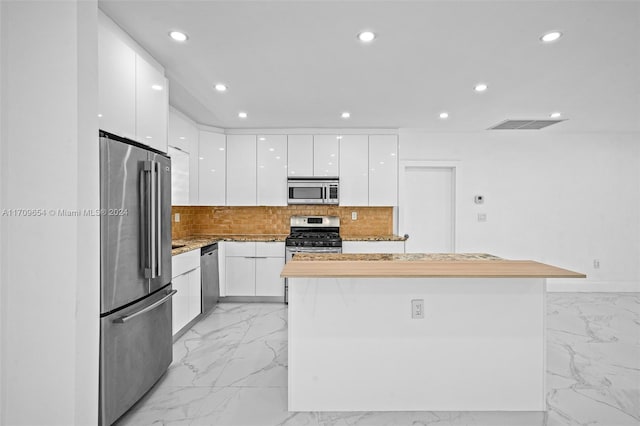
x=230, y=370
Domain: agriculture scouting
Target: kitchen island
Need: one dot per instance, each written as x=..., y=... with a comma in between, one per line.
x=413, y=332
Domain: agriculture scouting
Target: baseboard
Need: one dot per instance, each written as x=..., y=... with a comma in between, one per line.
x=560, y=285
x=259, y=299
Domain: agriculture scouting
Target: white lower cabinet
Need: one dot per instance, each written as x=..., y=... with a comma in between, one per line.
x=186, y=302
x=268, y=281
x=241, y=276
x=373, y=246
x=253, y=268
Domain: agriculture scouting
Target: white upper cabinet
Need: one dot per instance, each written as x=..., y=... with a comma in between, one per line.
x=300, y=155
x=152, y=105
x=179, y=177
x=354, y=164
x=383, y=170
x=241, y=170
x=117, y=82
x=133, y=92
x=182, y=132
x=272, y=170
x=325, y=155
x=212, y=169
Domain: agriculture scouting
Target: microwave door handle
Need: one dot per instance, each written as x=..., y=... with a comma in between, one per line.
x=324, y=193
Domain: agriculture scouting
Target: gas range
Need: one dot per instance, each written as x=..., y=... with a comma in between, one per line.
x=314, y=231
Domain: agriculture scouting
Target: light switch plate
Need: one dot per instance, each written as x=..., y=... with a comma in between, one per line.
x=354, y=215
x=176, y=217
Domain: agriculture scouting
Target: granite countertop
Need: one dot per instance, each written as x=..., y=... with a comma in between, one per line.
x=419, y=265
x=373, y=238
x=402, y=257
x=198, y=241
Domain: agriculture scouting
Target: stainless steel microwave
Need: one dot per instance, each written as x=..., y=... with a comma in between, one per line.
x=313, y=190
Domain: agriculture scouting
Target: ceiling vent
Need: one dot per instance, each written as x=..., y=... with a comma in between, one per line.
x=524, y=124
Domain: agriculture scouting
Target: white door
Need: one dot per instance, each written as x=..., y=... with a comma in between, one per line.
x=427, y=208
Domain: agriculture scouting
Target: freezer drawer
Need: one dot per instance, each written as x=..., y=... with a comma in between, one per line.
x=135, y=351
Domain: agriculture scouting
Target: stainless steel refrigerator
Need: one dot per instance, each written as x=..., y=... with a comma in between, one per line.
x=135, y=269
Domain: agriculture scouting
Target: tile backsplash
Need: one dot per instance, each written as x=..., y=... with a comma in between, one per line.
x=216, y=220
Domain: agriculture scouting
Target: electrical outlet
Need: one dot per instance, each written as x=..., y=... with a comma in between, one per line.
x=176, y=217
x=354, y=215
x=417, y=308
x=482, y=217
x=596, y=263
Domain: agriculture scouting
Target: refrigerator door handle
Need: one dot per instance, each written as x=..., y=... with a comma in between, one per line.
x=154, y=305
x=158, y=214
x=153, y=195
x=145, y=217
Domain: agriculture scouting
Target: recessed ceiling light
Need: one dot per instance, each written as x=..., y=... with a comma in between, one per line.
x=178, y=36
x=271, y=149
x=201, y=158
x=262, y=138
x=242, y=114
x=181, y=138
x=148, y=137
x=99, y=115
x=221, y=87
x=552, y=36
x=444, y=115
x=555, y=115
x=346, y=114
x=366, y=36
x=156, y=87
x=480, y=87
x=220, y=149
x=338, y=137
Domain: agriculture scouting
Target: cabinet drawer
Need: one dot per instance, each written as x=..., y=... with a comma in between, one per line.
x=270, y=249
x=185, y=262
x=244, y=249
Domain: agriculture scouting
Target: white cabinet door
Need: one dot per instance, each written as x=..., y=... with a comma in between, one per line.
x=272, y=170
x=152, y=105
x=241, y=170
x=325, y=155
x=212, y=169
x=373, y=246
x=180, y=303
x=180, y=132
x=383, y=170
x=300, y=155
x=195, y=293
x=179, y=177
x=354, y=176
x=268, y=281
x=241, y=276
x=117, y=82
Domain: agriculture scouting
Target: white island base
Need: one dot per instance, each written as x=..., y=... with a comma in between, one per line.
x=353, y=345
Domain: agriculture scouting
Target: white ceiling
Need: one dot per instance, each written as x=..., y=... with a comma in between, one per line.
x=299, y=64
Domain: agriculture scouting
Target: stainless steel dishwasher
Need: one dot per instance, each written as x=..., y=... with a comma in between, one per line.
x=210, y=278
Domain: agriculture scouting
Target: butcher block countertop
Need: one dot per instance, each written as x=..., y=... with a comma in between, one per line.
x=414, y=265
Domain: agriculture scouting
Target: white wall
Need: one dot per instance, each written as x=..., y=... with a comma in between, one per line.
x=563, y=199
x=49, y=264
